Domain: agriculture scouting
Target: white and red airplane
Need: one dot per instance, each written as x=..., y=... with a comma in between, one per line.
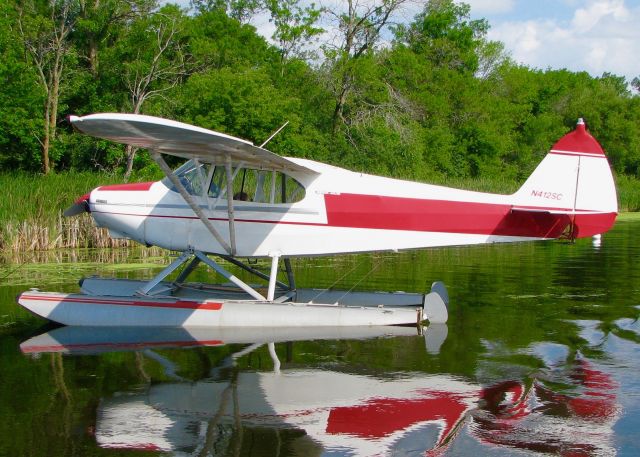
x=234, y=199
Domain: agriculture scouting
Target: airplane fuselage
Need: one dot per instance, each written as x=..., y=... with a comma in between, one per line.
x=340, y=212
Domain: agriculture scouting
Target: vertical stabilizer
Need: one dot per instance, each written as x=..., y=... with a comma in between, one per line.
x=574, y=179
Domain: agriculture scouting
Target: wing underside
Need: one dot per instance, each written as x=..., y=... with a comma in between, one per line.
x=182, y=140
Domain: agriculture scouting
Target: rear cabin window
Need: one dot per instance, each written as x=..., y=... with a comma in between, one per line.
x=249, y=184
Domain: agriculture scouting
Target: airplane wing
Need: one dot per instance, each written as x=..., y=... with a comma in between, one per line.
x=182, y=140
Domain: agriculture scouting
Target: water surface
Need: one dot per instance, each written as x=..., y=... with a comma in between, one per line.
x=540, y=356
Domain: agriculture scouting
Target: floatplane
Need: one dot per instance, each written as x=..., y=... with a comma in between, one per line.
x=234, y=200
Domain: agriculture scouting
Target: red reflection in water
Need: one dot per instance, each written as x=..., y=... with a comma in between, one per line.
x=384, y=416
x=584, y=425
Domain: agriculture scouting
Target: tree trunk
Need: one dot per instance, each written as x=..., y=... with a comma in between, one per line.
x=341, y=101
x=52, y=101
x=93, y=56
x=130, y=152
x=46, y=141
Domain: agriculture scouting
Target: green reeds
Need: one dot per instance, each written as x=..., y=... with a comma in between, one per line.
x=34, y=196
x=31, y=212
x=628, y=193
x=43, y=234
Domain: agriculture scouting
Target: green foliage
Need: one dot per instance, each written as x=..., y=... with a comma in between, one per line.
x=295, y=26
x=244, y=104
x=441, y=103
x=20, y=100
x=628, y=193
x=444, y=33
x=216, y=40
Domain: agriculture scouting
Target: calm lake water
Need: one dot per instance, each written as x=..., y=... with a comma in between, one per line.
x=541, y=355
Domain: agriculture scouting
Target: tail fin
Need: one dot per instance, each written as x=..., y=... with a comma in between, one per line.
x=573, y=179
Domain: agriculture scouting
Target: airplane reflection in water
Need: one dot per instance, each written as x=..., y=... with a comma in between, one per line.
x=311, y=411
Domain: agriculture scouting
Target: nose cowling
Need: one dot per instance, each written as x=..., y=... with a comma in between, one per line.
x=81, y=205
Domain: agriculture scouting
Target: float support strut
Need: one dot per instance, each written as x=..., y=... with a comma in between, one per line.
x=166, y=272
x=237, y=281
x=251, y=270
x=275, y=259
x=290, y=278
x=182, y=277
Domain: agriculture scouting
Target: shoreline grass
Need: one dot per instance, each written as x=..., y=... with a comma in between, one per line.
x=31, y=208
x=31, y=212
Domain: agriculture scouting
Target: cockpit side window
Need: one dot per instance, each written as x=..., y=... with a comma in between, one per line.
x=266, y=186
x=249, y=184
x=193, y=177
x=218, y=185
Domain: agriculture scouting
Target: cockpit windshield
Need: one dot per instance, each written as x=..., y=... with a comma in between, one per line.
x=248, y=184
x=193, y=176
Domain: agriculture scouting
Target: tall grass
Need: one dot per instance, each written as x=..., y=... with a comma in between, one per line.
x=628, y=193
x=31, y=212
x=42, y=197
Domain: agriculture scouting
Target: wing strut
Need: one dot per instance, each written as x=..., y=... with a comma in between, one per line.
x=230, y=212
x=187, y=198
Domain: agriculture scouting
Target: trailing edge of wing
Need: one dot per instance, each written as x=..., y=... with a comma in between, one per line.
x=182, y=140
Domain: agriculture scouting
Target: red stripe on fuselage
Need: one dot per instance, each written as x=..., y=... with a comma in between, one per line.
x=443, y=216
x=139, y=186
x=396, y=213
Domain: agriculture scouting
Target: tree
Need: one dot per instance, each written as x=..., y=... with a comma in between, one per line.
x=153, y=62
x=241, y=10
x=295, y=27
x=444, y=33
x=20, y=100
x=100, y=21
x=44, y=29
x=216, y=40
x=359, y=29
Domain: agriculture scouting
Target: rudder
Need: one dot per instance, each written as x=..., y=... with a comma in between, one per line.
x=573, y=179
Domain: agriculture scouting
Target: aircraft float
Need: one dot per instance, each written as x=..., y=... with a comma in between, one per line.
x=234, y=200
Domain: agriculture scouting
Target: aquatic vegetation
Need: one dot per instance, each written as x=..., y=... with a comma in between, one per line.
x=31, y=212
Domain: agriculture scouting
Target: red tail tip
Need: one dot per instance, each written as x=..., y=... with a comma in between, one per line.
x=580, y=140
